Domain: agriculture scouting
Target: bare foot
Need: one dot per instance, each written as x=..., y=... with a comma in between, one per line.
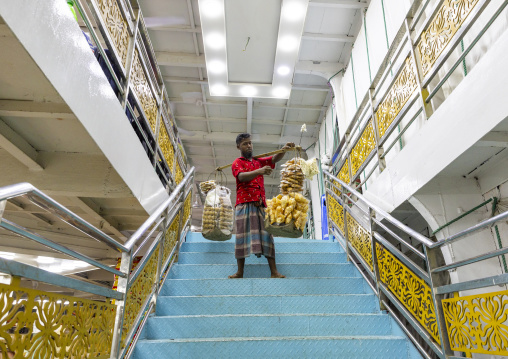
x=236, y=275
x=278, y=275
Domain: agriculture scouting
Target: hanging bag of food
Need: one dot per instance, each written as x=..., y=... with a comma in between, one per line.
x=218, y=215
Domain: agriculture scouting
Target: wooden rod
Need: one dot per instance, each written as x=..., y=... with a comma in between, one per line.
x=296, y=148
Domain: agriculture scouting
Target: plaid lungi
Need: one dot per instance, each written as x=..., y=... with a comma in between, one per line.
x=251, y=237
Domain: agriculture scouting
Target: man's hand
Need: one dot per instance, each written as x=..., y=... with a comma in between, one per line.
x=265, y=171
x=288, y=145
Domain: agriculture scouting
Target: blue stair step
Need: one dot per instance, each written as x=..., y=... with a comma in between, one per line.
x=266, y=286
x=193, y=271
x=266, y=325
x=379, y=347
x=280, y=257
x=296, y=247
x=267, y=304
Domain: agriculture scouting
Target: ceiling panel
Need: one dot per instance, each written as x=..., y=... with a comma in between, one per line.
x=268, y=113
x=188, y=110
x=165, y=13
x=172, y=41
x=228, y=111
x=192, y=125
x=266, y=129
x=180, y=71
x=312, y=50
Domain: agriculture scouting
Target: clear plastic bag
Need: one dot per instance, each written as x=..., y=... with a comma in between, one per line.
x=218, y=215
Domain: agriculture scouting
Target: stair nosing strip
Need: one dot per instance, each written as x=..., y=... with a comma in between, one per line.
x=274, y=315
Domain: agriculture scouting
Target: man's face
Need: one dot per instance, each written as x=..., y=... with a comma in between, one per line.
x=246, y=148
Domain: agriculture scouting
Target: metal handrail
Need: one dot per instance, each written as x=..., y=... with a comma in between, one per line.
x=69, y=217
x=420, y=238
x=131, y=242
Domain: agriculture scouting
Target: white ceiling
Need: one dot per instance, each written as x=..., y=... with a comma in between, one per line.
x=209, y=124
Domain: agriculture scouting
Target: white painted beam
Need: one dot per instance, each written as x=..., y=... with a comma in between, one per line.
x=494, y=139
x=179, y=100
x=239, y=120
x=18, y=147
x=195, y=81
x=190, y=29
x=339, y=4
x=179, y=59
x=249, y=115
x=16, y=108
x=328, y=37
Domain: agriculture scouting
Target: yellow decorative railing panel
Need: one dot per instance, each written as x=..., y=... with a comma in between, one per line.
x=478, y=323
x=187, y=208
x=143, y=91
x=179, y=173
x=116, y=25
x=360, y=239
x=38, y=324
x=397, y=96
x=335, y=212
x=170, y=238
x=443, y=27
x=139, y=292
x=363, y=148
x=166, y=146
x=344, y=172
x=409, y=289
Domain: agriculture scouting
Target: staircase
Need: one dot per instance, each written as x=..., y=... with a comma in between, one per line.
x=323, y=309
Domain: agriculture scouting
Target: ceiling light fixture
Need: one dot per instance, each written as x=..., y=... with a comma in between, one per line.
x=215, y=41
x=212, y=8
x=280, y=92
x=45, y=260
x=287, y=43
x=219, y=90
x=294, y=11
x=216, y=67
x=248, y=91
x=283, y=70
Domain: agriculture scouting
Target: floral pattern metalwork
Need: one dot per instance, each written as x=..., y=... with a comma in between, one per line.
x=139, y=292
x=478, y=323
x=170, y=238
x=143, y=91
x=116, y=25
x=363, y=148
x=166, y=147
x=187, y=208
x=36, y=324
x=360, y=239
x=409, y=289
x=335, y=212
x=179, y=173
x=402, y=89
x=448, y=20
x=344, y=172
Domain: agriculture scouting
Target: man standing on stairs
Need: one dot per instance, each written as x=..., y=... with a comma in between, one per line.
x=251, y=237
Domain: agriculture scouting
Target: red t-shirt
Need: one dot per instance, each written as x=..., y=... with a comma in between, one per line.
x=254, y=190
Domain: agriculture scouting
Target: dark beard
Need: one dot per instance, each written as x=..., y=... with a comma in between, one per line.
x=247, y=155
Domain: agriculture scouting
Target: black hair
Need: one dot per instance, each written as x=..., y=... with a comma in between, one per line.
x=241, y=137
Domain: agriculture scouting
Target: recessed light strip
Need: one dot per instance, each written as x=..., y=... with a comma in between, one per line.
x=213, y=24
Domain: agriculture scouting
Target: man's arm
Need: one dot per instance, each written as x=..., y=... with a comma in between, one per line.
x=249, y=176
x=279, y=156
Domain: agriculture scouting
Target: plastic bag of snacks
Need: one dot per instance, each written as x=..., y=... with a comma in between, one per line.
x=218, y=215
x=287, y=215
x=291, y=176
x=206, y=186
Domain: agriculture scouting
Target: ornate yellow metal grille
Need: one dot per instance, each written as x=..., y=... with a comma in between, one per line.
x=166, y=147
x=409, y=289
x=443, y=27
x=187, y=208
x=335, y=212
x=38, y=324
x=170, y=238
x=366, y=144
x=179, y=174
x=401, y=91
x=336, y=189
x=360, y=239
x=478, y=323
x=344, y=172
x=138, y=293
x=116, y=25
x=143, y=91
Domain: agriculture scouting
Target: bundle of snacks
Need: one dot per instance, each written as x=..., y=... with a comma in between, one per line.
x=287, y=215
x=291, y=176
x=207, y=186
x=218, y=215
